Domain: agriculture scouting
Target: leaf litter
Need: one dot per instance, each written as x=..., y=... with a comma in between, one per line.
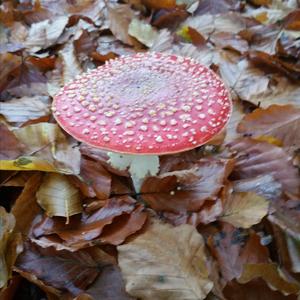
x=217, y=222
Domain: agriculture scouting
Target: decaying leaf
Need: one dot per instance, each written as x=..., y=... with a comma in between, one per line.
x=244, y=209
x=58, y=197
x=10, y=245
x=280, y=122
x=272, y=275
x=165, y=262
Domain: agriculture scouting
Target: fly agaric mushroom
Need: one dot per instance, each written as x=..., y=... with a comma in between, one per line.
x=142, y=106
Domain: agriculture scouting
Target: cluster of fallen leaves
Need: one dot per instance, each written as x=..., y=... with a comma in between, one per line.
x=218, y=222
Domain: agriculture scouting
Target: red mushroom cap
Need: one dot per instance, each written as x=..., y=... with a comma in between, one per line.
x=148, y=103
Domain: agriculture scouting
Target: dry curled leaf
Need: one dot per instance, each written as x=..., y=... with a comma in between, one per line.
x=244, y=209
x=165, y=262
x=58, y=197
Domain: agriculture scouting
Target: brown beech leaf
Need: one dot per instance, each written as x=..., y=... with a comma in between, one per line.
x=25, y=109
x=82, y=230
x=76, y=272
x=120, y=16
x=244, y=209
x=96, y=181
x=254, y=158
x=153, y=4
x=272, y=275
x=186, y=190
x=232, y=248
x=281, y=122
x=165, y=262
x=10, y=245
x=253, y=290
x=58, y=197
x=216, y=6
x=11, y=147
x=26, y=208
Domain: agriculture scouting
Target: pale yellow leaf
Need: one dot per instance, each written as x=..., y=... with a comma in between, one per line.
x=58, y=197
x=244, y=209
x=166, y=262
x=143, y=32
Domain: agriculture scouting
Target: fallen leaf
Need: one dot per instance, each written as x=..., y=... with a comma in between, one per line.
x=244, y=209
x=11, y=147
x=163, y=42
x=263, y=185
x=153, y=4
x=25, y=109
x=280, y=122
x=10, y=245
x=150, y=272
x=255, y=289
x=44, y=34
x=143, y=32
x=58, y=197
x=186, y=190
x=120, y=16
x=232, y=248
x=73, y=272
x=83, y=230
x=272, y=275
x=26, y=208
x=95, y=180
x=46, y=143
x=216, y=7
x=254, y=158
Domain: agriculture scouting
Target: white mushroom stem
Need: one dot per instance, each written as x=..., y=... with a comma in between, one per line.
x=139, y=166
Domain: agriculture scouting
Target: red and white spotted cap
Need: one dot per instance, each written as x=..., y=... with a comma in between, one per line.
x=148, y=103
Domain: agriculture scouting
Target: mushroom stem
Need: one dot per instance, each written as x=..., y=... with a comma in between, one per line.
x=139, y=166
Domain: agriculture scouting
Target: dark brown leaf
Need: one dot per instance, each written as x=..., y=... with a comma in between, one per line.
x=186, y=190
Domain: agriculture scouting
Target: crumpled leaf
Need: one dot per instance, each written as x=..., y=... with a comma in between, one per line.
x=165, y=262
x=58, y=197
x=186, y=190
x=143, y=32
x=11, y=147
x=233, y=247
x=254, y=158
x=244, y=209
x=46, y=149
x=273, y=276
x=117, y=219
x=10, y=245
x=25, y=109
x=280, y=122
x=77, y=273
